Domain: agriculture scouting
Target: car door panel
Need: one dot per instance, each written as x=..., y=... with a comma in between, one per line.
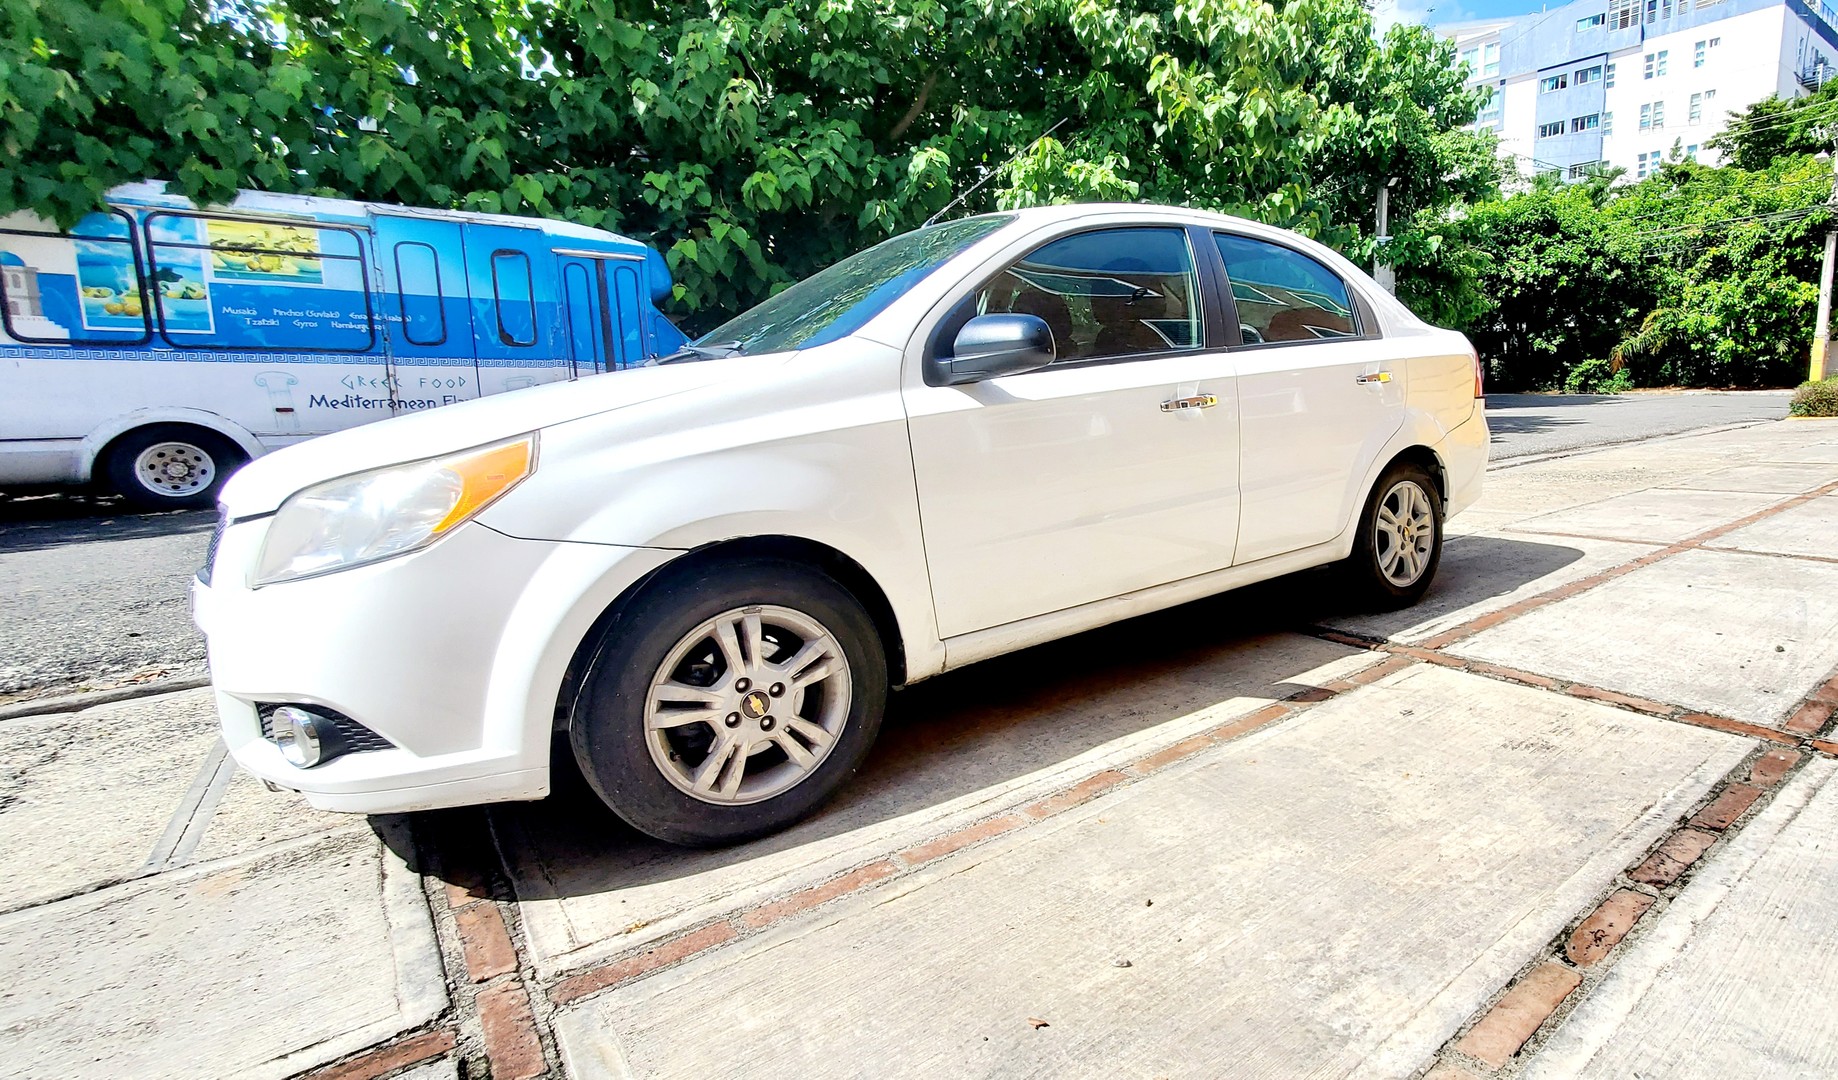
x=1319, y=397
x=1081, y=481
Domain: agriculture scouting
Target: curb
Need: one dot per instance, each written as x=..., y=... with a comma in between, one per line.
x=78, y=702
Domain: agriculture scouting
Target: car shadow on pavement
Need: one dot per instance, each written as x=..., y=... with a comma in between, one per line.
x=1002, y=720
x=37, y=522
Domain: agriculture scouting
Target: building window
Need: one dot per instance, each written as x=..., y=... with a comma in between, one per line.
x=1585, y=76
x=1608, y=76
x=1586, y=168
x=1608, y=122
x=1491, y=108
x=1490, y=58
x=1652, y=12
x=1663, y=53
x=1580, y=124
x=1647, y=66
x=1551, y=130
x=1554, y=82
x=1646, y=118
x=1590, y=22
x=1696, y=111
x=1646, y=162
x=1623, y=14
x=1472, y=58
x=1665, y=9
x=1697, y=55
x=1659, y=115
x=1692, y=151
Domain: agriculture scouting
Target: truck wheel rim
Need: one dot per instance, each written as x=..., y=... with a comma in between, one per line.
x=1404, y=533
x=174, y=469
x=747, y=705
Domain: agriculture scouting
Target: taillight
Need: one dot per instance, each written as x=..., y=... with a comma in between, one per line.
x=1480, y=375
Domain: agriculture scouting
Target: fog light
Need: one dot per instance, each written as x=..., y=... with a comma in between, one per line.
x=301, y=735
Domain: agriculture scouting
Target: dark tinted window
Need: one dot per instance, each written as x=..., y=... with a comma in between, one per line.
x=1282, y=294
x=510, y=283
x=1114, y=292
x=418, y=299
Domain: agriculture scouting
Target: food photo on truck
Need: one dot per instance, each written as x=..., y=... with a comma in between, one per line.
x=156, y=345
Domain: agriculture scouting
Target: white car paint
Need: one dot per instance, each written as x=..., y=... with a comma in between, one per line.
x=990, y=516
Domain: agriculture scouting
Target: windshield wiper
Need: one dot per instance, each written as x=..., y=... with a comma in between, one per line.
x=713, y=351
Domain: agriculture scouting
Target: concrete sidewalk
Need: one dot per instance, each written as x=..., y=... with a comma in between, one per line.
x=1567, y=816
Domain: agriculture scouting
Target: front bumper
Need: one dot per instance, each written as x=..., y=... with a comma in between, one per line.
x=455, y=654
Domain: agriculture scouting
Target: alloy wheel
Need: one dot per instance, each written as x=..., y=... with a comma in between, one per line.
x=1404, y=533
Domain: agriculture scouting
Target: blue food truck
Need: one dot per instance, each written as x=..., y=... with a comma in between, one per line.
x=156, y=345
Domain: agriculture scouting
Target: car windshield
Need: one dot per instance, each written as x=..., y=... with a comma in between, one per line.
x=835, y=302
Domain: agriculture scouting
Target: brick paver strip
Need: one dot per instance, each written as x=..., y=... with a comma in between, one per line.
x=1606, y=926
x=1727, y=807
x=1504, y=1029
x=1772, y=766
x=1083, y=791
x=387, y=1059
x=957, y=841
x=821, y=894
x=595, y=979
x=1448, y=1070
x=485, y=942
x=511, y=1044
x=1625, y=701
x=1673, y=857
x=1187, y=747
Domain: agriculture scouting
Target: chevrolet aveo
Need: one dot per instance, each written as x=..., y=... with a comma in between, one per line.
x=705, y=575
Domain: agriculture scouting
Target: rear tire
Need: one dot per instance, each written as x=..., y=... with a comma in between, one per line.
x=1399, y=545
x=170, y=466
x=729, y=700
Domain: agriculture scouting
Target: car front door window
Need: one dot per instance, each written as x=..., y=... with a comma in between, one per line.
x=1106, y=294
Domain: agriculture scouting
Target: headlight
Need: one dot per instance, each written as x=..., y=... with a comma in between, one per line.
x=385, y=512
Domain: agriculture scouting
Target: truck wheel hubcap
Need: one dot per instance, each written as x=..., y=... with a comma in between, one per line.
x=747, y=705
x=175, y=468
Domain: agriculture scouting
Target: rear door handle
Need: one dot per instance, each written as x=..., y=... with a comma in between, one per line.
x=1374, y=378
x=1202, y=401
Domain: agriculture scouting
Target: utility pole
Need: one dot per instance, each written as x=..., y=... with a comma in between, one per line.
x=1821, y=334
x=1381, y=270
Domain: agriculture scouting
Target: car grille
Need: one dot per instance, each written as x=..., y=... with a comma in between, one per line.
x=354, y=737
x=210, y=553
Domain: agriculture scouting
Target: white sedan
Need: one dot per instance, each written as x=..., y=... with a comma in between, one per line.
x=705, y=575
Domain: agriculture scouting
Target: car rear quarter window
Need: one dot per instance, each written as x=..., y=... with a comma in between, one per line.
x=1284, y=295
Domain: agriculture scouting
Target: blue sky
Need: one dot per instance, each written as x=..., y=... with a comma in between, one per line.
x=1436, y=12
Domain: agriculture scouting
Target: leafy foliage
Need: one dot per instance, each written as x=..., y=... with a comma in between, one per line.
x=1777, y=127
x=1815, y=399
x=755, y=141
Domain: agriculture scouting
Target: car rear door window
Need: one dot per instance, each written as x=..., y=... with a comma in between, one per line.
x=1284, y=295
x=1106, y=294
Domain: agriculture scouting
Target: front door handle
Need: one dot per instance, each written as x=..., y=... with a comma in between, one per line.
x=1374, y=378
x=1202, y=401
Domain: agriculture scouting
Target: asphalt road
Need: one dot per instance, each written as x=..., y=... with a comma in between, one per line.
x=1528, y=424
x=93, y=598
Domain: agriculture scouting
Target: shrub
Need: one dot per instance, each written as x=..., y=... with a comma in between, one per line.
x=1598, y=377
x=1816, y=399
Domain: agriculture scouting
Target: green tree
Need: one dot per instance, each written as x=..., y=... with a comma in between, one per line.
x=1777, y=127
x=1735, y=257
x=754, y=142
x=1556, y=285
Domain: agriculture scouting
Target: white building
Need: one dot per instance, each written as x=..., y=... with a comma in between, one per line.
x=1623, y=83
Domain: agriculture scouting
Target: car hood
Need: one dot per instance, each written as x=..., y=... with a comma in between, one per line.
x=262, y=485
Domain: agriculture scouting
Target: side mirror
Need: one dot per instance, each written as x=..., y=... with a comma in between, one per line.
x=990, y=346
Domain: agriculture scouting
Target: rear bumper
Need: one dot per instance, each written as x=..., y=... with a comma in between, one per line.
x=454, y=654
x=1464, y=459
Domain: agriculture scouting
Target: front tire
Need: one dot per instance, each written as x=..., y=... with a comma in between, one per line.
x=729, y=700
x=170, y=466
x=1399, y=545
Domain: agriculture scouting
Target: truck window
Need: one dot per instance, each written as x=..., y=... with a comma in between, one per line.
x=418, y=296
x=83, y=287
x=516, y=299
x=258, y=284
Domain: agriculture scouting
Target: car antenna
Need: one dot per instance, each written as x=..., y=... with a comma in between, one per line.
x=971, y=190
